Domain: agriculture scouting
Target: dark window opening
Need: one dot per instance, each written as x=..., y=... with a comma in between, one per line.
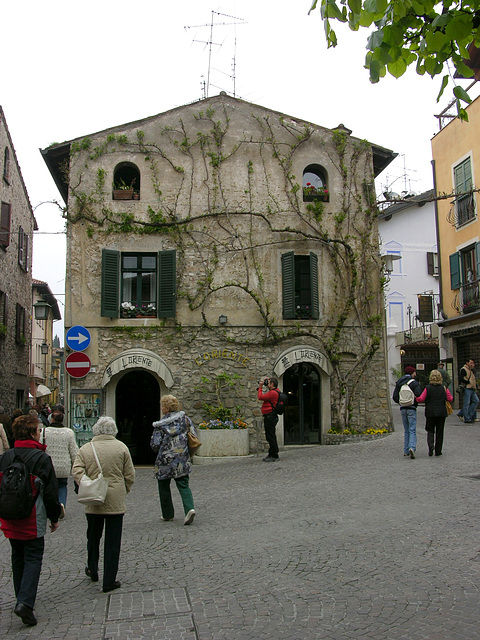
x=139, y=285
x=22, y=249
x=6, y=165
x=126, y=182
x=5, y=225
x=20, y=337
x=300, y=286
x=315, y=186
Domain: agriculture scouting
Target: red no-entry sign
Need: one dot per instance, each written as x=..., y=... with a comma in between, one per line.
x=78, y=364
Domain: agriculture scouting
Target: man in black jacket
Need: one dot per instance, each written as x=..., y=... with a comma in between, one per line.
x=26, y=536
x=409, y=413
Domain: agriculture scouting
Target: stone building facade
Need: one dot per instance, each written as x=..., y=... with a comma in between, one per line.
x=224, y=239
x=16, y=235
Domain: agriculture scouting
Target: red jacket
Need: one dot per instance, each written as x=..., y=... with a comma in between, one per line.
x=270, y=399
x=47, y=506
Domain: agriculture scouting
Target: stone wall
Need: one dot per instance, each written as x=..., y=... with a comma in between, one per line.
x=15, y=282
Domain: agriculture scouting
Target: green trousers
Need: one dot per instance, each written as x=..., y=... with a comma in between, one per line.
x=166, y=496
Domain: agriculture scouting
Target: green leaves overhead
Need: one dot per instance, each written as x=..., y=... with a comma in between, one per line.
x=428, y=33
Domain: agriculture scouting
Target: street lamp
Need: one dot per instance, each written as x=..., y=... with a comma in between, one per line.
x=44, y=349
x=41, y=309
x=388, y=260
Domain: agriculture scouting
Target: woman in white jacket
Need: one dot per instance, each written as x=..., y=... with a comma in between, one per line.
x=62, y=449
x=119, y=472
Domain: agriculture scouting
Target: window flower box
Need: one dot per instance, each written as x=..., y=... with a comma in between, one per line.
x=311, y=193
x=129, y=310
x=123, y=194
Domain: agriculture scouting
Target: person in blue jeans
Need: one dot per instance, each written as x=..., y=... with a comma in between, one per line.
x=27, y=535
x=409, y=414
x=470, y=397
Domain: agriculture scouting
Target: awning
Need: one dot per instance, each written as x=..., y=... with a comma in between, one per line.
x=42, y=390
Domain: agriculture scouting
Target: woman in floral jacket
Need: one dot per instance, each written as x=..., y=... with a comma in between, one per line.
x=170, y=442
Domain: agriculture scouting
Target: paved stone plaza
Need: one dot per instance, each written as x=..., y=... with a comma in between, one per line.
x=352, y=541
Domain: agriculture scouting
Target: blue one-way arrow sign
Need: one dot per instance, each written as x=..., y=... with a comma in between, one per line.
x=78, y=338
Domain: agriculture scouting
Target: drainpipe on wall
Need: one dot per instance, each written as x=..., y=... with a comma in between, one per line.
x=439, y=261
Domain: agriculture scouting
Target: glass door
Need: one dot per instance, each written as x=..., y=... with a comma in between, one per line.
x=302, y=422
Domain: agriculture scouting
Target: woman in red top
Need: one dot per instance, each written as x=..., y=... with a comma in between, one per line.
x=270, y=418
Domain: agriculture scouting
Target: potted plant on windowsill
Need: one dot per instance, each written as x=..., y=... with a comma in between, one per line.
x=129, y=310
x=122, y=190
x=311, y=193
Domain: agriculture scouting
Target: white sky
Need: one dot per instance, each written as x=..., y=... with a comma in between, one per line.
x=74, y=68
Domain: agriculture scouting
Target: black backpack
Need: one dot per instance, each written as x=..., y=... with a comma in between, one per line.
x=282, y=402
x=18, y=489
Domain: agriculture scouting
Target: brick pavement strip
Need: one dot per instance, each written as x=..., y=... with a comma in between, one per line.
x=341, y=542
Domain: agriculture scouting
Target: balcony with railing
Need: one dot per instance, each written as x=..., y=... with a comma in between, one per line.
x=462, y=209
x=467, y=299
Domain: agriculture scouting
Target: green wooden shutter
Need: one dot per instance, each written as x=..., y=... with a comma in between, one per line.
x=477, y=259
x=463, y=177
x=314, y=285
x=455, y=280
x=288, y=285
x=167, y=284
x=110, y=283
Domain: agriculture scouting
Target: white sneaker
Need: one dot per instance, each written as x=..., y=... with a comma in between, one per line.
x=189, y=517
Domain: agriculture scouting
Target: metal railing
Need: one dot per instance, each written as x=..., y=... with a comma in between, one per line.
x=462, y=209
x=468, y=298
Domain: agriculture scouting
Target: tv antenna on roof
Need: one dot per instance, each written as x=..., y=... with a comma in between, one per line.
x=210, y=43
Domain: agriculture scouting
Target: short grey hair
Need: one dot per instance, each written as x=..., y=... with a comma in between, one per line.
x=105, y=426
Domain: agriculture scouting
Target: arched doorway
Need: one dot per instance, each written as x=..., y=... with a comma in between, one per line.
x=137, y=406
x=302, y=423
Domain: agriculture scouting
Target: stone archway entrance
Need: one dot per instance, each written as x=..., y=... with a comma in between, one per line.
x=304, y=374
x=137, y=403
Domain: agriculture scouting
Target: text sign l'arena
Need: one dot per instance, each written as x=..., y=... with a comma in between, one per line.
x=78, y=364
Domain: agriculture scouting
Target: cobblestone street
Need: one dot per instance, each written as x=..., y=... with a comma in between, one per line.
x=351, y=541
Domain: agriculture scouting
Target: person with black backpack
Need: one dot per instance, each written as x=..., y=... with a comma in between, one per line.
x=271, y=398
x=28, y=498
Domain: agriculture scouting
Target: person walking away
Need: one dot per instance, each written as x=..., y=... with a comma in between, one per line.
x=57, y=407
x=170, y=442
x=270, y=418
x=470, y=397
x=3, y=440
x=118, y=471
x=62, y=448
x=7, y=425
x=434, y=396
x=409, y=411
x=26, y=535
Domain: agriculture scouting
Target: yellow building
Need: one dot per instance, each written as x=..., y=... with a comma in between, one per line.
x=456, y=159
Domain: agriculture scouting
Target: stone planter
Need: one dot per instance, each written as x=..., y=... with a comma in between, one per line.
x=218, y=443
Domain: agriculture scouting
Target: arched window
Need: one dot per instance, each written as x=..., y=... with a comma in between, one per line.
x=315, y=185
x=126, y=182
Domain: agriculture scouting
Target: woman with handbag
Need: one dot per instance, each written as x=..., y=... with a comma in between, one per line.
x=107, y=456
x=170, y=442
x=435, y=395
